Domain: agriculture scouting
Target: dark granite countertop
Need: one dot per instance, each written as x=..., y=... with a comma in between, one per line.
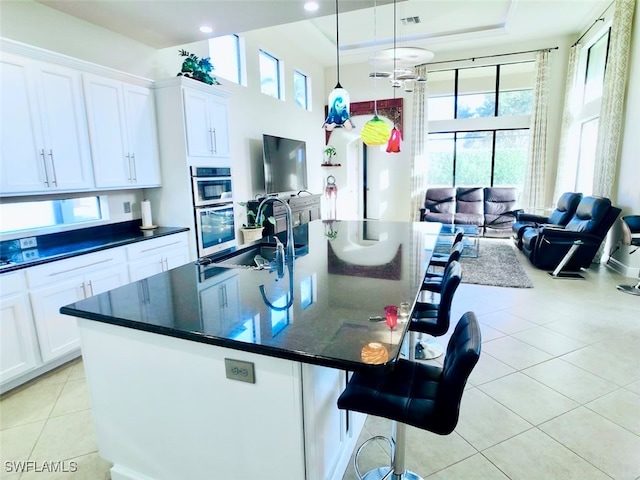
x=58, y=246
x=317, y=311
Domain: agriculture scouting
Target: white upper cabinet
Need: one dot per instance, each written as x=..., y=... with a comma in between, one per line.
x=207, y=129
x=122, y=128
x=44, y=139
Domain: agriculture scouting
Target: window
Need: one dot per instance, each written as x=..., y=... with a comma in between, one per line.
x=496, y=157
x=594, y=74
x=478, y=125
x=270, y=75
x=225, y=54
x=587, y=100
x=301, y=89
x=46, y=214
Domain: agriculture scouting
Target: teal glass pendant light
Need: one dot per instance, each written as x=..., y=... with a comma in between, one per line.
x=339, y=101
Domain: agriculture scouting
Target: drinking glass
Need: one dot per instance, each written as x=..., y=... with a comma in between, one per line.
x=391, y=315
x=404, y=311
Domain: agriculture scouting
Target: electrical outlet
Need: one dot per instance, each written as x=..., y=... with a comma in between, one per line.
x=127, y=207
x=239, y=370
x=29, y=242
x=30, y=254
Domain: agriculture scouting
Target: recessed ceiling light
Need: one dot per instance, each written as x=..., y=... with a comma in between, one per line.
x=206, y=29
x=311, y=6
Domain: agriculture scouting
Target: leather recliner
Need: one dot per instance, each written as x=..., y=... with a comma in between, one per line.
x=565, y=209
x=547, y=245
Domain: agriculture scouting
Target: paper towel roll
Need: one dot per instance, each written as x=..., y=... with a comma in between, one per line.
x=146, y=214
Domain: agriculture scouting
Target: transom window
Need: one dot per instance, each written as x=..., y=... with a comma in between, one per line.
x=270, y=75
x=226, y=57
x=301, y=89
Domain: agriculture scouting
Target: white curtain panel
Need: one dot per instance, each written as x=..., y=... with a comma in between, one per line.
x=419, y=158
x=611, y=112
x=533, y=193
x=569, y=131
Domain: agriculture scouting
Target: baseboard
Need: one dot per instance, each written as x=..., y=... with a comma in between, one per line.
x=623, y=269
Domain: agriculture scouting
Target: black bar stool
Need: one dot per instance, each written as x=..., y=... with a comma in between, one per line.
x=416, y=394
x=434, y=318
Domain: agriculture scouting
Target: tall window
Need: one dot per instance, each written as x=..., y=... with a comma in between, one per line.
x=226, y=56
x=478, y=125
x=591, y=68
x=270, y=75
x=301, y=89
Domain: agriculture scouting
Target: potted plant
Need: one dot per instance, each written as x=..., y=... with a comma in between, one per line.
x=197, y=68
x=252, y=230
x=329, y=153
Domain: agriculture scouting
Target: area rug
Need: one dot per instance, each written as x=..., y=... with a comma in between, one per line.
x=497, y=265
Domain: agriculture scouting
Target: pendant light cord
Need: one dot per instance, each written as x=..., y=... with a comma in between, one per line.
x=337, y=44
x=375, y=62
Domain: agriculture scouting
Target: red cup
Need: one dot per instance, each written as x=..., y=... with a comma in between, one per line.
x=391, y=315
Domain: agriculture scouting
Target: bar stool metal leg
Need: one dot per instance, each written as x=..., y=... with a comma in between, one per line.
x=397, y=471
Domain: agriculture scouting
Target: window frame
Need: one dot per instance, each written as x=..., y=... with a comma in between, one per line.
x=278, y=72
x=307, y=103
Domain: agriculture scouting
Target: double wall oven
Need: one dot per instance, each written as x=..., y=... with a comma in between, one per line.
x=213, y=209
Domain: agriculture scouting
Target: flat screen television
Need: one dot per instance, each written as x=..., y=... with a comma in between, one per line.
x=285, y=164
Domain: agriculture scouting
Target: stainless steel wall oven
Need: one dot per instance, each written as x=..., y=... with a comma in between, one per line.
x=213, y=209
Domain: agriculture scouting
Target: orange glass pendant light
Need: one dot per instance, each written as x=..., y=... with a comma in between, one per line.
x=394, y=141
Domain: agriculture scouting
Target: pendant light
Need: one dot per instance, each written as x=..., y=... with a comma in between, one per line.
x=393, y=146
x=376, y=131
x=339, y=100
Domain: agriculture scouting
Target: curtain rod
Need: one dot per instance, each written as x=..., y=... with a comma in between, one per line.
x=489, y=56
x=599, y=19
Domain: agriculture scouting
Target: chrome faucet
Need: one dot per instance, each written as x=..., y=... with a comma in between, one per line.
x=290, y=249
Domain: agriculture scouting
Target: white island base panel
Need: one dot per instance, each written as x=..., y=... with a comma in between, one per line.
x=163, y=409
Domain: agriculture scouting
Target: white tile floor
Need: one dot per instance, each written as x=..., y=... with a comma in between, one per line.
x=555, y=395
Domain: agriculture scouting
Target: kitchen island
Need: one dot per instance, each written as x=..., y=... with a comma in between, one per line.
x=221, y=371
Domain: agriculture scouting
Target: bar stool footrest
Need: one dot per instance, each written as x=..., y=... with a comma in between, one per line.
x=386, y=473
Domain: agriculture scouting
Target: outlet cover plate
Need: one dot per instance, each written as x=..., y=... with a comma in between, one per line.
x=239, y=370
x=29, y=242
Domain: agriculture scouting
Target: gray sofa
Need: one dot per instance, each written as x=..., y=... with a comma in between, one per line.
x=492, y=209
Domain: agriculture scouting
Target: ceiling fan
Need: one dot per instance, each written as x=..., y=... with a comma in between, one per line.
x=399, y=63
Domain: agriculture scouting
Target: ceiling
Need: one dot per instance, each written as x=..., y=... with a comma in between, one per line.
x=444, y=25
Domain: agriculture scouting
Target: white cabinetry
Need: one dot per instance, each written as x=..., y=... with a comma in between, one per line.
x=18, y=347
x=44, y=140
x=206, y=125
x=56, y=284
x=122, y=125
x=158, y=255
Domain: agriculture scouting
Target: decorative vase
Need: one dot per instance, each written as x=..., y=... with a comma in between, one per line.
x=251, y=234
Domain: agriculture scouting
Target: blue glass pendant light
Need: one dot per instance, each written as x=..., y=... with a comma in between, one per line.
x=338, y=116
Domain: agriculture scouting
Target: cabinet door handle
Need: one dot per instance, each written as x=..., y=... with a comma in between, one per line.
x=46, y=172
x=224, y=296
x=211, y=138
x=53, y=169
x=215, y=142
x=84, y=291
x=128, y=166
x=133, y=163
x=90, y=288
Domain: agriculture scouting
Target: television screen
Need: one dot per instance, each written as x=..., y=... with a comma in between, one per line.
x=285, y=164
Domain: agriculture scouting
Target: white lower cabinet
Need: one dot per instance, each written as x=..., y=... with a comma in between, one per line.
x=156, y=256
x=18, y=348
x=59, y=283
